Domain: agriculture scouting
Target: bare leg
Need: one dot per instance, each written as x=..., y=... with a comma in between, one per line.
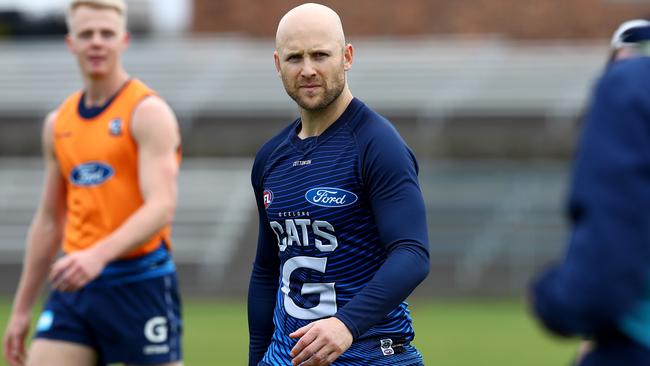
x=60, y=353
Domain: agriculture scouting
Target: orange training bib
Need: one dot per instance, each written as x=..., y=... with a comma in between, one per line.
x=98, y=158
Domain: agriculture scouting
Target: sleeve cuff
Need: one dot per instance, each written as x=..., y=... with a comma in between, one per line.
x=349, y=324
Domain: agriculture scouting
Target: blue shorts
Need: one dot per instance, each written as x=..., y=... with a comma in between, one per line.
x=137, y=322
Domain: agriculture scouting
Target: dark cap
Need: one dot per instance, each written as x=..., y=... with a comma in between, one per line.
x=631, y=33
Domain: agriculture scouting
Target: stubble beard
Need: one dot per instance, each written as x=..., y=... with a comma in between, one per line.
x=329, y=96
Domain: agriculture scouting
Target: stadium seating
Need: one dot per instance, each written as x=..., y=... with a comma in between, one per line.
x=233, y=75
x=491, y=224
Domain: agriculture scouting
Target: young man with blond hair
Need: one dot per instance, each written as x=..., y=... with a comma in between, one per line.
x=111, y=154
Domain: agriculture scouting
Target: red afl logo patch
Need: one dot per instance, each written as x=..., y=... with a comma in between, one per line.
x=268, y=198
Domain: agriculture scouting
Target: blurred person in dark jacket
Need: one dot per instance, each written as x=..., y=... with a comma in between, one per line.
x=601, y=288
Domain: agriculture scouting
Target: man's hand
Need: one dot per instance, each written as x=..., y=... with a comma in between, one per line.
x=73, y=271
x=321, y=342
x=14, y=339
x=584, y=348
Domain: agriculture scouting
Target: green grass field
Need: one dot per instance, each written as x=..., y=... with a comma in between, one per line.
x=448, y=333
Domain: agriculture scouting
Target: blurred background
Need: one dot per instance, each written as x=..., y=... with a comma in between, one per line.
x=488, y=93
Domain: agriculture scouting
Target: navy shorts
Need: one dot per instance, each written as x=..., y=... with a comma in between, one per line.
x=375, y=351
x=137, y=322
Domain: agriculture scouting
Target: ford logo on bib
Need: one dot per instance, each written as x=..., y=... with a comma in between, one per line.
x=91, y=174
x=330, y=197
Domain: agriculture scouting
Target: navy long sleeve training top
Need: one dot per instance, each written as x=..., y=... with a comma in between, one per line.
x=342, y=233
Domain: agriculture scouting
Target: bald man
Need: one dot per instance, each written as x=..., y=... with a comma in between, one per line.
x=342, y=235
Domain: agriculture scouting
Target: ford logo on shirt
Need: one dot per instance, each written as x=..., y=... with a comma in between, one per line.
x=330, y=197
x=91, y=174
